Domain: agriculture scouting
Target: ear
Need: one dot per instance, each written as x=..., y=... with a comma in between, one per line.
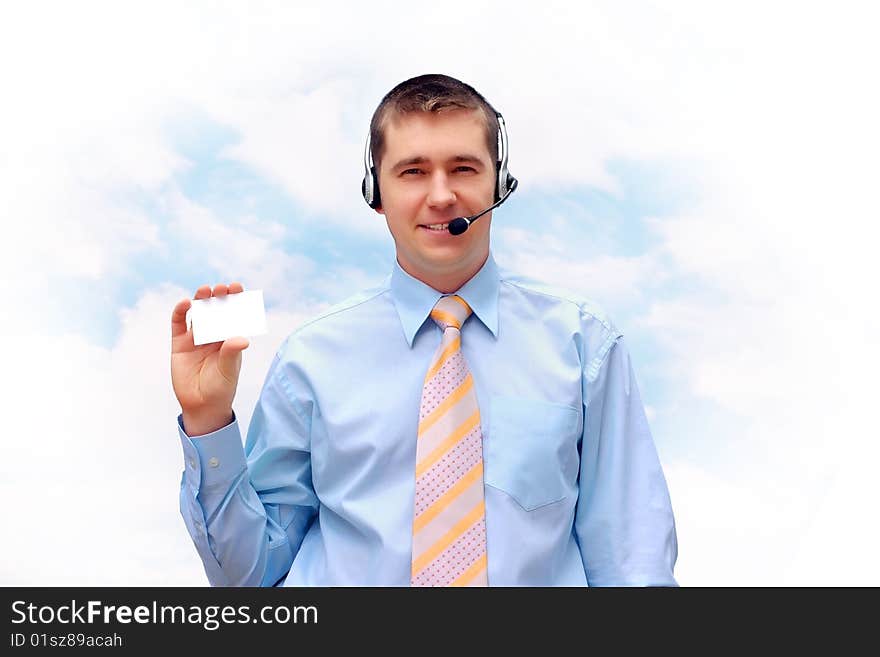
x=380, y=210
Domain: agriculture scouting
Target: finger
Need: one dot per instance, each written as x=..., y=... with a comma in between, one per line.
x=203, y=292
x=220, y=290
x=237, y=343
x=178, y=318
x=235, y=288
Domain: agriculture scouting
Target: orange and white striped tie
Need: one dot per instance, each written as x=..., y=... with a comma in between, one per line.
x=449, y=525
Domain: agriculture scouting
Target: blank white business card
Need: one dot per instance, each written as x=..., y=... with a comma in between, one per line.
x=217, y=318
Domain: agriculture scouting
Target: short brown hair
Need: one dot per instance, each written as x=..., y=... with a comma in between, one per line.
x=433, y=92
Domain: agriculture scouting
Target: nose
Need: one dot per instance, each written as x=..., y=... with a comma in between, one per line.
x=440, y=194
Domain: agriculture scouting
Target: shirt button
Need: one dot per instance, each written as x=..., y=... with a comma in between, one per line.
x=213, y=461
x=192, y=463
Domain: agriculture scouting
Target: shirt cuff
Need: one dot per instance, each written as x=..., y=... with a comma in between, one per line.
x=213, y=459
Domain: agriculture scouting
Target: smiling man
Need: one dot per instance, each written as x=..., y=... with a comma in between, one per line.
x=455, y=426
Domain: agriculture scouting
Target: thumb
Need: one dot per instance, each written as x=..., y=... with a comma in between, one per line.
x=229, y=357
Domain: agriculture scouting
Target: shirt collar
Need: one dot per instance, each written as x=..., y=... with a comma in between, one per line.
x=414, y=299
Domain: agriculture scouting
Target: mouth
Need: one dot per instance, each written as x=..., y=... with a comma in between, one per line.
x=437, y=228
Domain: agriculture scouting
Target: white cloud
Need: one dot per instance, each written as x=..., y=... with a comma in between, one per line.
x=839, y=546
x=298, y=140
x=604, y=277
x=246, y=250
x=731, y=533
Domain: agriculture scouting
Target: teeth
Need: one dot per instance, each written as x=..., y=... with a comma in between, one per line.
x=438, y=226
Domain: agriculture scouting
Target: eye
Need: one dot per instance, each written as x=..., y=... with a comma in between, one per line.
x=465, y=168
x=410, y=171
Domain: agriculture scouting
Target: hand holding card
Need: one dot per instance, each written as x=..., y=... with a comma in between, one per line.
x=206, y=358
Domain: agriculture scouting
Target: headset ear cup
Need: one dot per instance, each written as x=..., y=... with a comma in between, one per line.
x=370, y=179
x=377, y=200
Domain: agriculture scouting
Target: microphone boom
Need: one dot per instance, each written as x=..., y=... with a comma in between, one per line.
x=460, y=224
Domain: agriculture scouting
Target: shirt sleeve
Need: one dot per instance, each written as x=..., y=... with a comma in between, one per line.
x=624, y=521
x=248, y=507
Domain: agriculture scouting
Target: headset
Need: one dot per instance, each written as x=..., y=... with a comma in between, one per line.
x=504, y=187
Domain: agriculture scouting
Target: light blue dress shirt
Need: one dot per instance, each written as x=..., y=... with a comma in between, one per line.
x=322, y=492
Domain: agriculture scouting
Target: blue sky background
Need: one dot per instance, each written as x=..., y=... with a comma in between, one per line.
x=704, y=174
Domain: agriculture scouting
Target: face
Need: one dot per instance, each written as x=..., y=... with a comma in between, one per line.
x=436, y=167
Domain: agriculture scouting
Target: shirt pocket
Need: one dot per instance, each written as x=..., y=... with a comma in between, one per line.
x=532, y=453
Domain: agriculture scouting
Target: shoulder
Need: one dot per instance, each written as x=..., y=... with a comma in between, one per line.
x=338, y=320
x=536, y=291
x=346, y=311
x=584, y=316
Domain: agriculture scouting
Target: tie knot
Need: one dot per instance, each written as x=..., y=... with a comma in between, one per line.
x=450, y=311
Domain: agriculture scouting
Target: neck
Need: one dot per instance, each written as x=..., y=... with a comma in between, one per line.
x=447, y=283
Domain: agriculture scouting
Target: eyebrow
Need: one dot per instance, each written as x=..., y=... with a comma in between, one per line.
x=420, y=159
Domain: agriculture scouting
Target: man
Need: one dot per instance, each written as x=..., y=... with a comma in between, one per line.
x=452, y=426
